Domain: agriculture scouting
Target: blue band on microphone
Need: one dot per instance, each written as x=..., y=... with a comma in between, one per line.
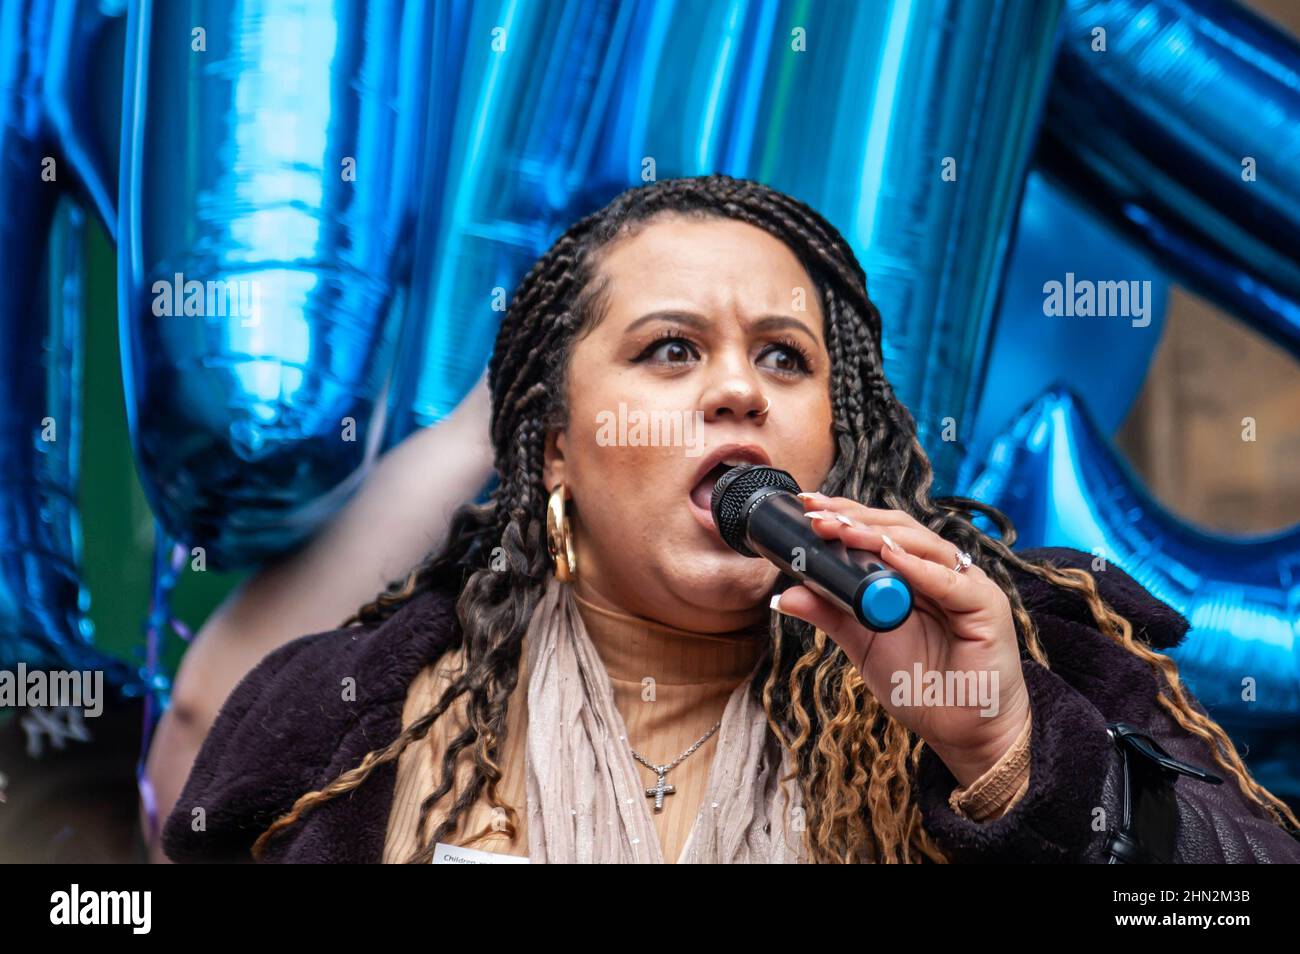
x=886, y=602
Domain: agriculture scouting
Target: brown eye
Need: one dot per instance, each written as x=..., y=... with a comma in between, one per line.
x=670, y=349
x=787, y=362
x=791, y=360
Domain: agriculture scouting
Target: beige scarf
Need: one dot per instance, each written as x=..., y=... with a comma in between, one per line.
x=586, y=800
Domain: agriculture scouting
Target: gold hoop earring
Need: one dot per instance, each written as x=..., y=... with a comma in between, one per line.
x=559, y=537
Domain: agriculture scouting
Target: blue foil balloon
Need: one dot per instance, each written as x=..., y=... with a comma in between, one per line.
x=897, y=120
x=501, y=180
x=1032, y=350
x=1055, y=475
x=52, y=58
x=271, y=158
x=912, y=133
x=1184, y=132
x=43, y=605
x=82, y=96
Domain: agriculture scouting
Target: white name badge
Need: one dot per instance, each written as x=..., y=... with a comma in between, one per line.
x=444, y=854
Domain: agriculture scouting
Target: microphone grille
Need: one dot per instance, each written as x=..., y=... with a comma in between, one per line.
x=733, y=489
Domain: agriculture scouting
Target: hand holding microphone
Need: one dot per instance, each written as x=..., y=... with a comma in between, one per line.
x=962, y=622
x=757, y=514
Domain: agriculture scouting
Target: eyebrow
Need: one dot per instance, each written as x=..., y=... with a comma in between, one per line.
x=701, y=324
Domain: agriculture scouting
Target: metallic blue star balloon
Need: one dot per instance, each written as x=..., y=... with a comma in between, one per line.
x=1061, y=483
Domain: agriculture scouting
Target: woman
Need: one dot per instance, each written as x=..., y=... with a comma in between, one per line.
x=586, y=672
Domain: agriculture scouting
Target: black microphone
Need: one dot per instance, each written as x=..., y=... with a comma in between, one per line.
x=758, y=514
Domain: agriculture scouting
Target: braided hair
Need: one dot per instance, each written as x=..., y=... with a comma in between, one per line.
x=856, y=765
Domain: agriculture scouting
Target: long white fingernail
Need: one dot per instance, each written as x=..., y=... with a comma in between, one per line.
x=776, y=598
x=890, y=543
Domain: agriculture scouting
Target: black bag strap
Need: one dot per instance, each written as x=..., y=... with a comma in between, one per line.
x=1148, y=831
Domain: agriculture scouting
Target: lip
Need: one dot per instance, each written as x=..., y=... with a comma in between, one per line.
x=746, y=452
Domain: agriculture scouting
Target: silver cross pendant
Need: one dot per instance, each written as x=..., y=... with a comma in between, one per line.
x=660, y=789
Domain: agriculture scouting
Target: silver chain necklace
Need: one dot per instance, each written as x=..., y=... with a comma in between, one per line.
x=660, y=789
